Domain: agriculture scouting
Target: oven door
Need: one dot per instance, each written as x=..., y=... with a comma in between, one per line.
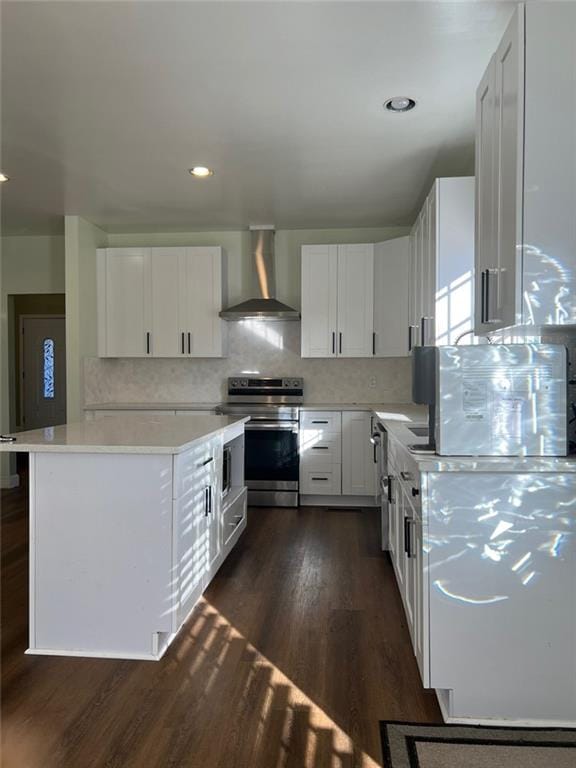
x=271, y=463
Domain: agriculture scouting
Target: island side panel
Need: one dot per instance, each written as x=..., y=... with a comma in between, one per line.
x=101, y=578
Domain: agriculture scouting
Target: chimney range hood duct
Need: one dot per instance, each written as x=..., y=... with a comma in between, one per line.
x=264, y=305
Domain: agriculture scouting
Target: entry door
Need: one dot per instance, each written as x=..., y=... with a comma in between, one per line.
x=43, y=371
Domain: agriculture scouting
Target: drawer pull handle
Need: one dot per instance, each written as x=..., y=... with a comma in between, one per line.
x=319, y=422
x=408, y=536
x=319, y=447
x=319, y=478
x=207, y=461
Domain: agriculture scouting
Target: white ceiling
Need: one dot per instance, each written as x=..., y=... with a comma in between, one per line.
x=105, y=105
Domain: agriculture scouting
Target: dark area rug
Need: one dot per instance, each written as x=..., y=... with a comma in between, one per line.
x=416, y=745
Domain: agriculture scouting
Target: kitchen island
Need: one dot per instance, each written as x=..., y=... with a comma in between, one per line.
x=128, y=525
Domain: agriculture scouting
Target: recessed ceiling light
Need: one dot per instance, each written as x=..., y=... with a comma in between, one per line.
x=3, y=177
x=399, y=104
x=201, y=172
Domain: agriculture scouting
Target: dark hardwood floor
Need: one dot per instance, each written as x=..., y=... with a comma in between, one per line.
x=297, y=650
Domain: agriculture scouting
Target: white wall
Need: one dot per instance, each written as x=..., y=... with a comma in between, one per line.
x=82, y=239
x=28, y=264
x=237, y=247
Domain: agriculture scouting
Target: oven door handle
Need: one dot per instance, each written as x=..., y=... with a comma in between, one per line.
x=286, y=427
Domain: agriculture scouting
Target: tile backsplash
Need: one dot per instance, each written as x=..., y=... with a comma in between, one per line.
x=258, y=348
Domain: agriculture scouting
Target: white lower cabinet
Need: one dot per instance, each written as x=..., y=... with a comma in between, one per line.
x=406, y=548
x=489, y=603
x=336, y=455
x=206, y=525
x=358, y=456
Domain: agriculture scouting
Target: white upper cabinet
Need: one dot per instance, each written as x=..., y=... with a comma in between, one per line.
x=166, y=328
x=201, y=301
x=499, y=120
x=160, y=302
x=356, y=300
x=526, y=174
x=319, y=300
x=337, y=300
x=413, y=302
x=392, y=262
x=441, y=285
x=124, y=302
x=486, y=202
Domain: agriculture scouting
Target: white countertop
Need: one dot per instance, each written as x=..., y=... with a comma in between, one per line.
x=124, y=434
x=209, y=406
x=152, y=406
x=400, y=409
x=398, y=429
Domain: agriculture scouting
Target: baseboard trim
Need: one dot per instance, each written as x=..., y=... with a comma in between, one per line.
x=312, y=500
x=10, y=481
x=444, y=702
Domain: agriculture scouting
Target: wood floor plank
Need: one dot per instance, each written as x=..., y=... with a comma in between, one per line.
x=297, y=650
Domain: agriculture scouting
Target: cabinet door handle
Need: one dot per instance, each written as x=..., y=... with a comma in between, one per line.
x=182, y=342
x=333, y=342
x=373, y=342
x=340, y=343
x=409, y=338
x=483, y=297
x=490, y=317
x=210, y=499
x=407, y=536
x=207, y=461
x=423, y=331
x=206, y=502
x=415, y=491
x=390, y=499
x=189, y=343
x=147, y=342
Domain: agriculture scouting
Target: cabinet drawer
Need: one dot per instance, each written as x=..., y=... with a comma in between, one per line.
x=234, y=516
x=198, y=466
x=321, y=482
x=321, y=421
x=393, y=456
x=319, y=452
x=409, y=477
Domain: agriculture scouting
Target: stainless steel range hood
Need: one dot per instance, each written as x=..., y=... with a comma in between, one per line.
x=264, y=305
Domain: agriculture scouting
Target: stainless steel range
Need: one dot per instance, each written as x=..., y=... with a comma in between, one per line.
x=271, y=439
